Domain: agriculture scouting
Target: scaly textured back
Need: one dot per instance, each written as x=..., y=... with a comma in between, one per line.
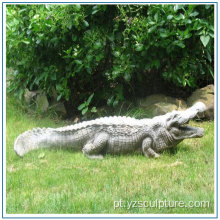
x=52, y=137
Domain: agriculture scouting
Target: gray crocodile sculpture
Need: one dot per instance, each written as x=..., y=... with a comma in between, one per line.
x=116, y=135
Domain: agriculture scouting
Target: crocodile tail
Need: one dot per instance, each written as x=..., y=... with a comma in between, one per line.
x=32, y=139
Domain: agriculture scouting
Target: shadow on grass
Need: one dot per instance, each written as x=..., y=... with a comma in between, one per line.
x=170, y=151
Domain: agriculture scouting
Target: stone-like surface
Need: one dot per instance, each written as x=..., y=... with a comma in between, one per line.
x=29, y=96
x=42, y=102
x=160, y=104
x=54, y=95
x=205, y=95
x=156, y=98
x=59, y=108
x=116, y=135
x=162, y=108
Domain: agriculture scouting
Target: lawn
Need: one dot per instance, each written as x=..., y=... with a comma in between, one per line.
x=61, y=181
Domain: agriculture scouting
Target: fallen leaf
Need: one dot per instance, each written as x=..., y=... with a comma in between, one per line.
x=41, y=155
x=12, y=169
x=177, y=163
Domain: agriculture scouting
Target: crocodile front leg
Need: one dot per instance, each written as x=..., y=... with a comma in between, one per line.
x=92, y=149
x=147, y=148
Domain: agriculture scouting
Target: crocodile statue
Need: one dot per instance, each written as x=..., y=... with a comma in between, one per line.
x=116, y=135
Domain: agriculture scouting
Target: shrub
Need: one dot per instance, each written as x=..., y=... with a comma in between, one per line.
x=108, y=50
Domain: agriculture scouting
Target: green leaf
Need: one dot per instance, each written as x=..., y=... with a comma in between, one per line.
x=179, y=17
x=202, y=72
x=110, y=100
x=152, y=29
x=211, y=71
x=163, y=35
x=156, y=17
x=79, y=62
x=211, y=35
x=85, y=23
x=156, y=63
x=99, y=57
x=115, y=103
x=139, y=47
x=38, y=41
x=116, y=53
x=187, y=34
x=189, y=82
x=179, y=44
x=208, y=56
x=28, y=32
x=25, y=42
x=90, y=98
x=169, y=17
x=178, y=7
x=207, y=6
x=94, y=12
x=197, y=26
x=77, y=7
x=115, y=73
x=188, y=21
x=47, y=6
x=80, y=107
x=184, y=83
x=211, y=27
x=59, y=97
x=93, y=109
x=110, y=37
x=127, y=77
x=97, y=45
x=89, y=57
x=36, y=16
x=191, y=7
x=205, y=39
x=194, y=14
x=74, y=37
x=53, y=76
x=84, y=111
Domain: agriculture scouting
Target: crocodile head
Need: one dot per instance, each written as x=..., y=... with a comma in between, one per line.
x=176, y=123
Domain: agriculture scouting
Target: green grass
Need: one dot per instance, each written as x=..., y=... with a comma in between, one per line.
x=67, y=182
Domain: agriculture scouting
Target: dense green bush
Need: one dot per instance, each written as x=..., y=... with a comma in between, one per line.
x=102, y=53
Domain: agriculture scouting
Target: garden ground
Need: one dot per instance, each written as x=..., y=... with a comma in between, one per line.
x=61, y=181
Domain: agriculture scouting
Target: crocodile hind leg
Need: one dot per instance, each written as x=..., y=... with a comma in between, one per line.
x=147, y=148
x=92, y=149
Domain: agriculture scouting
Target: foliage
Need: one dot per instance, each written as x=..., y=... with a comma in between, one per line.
x=84, y=107
x=108, y=50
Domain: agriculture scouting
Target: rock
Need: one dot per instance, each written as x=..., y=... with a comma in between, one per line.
x=162, y=108
x=29, y=96
x=157, y=98
x=42, y=102
x=59, y=108
x=9, y=76
x=76, y=120
x=54, y=95
x=160, y=104
x=205, y=95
